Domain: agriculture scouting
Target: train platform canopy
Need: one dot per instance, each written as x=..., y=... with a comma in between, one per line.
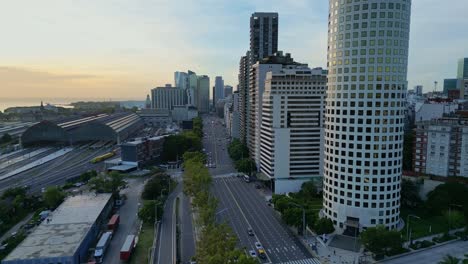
x=124, y=168
x=103, y=127
x=64, y=233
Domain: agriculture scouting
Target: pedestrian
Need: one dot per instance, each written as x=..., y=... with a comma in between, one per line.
x=334, y=252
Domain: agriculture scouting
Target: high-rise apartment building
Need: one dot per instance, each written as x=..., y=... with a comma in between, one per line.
x=219, y=89
x=244, y=69
x=263, y=35
x=457, y=88
x=418, y=90
x=192, y=92
x=181, y=80
x=258, y=73
x=227, y=90
x=462, y=72
x=291, y=141
x=441, y=147
x=167, y=97
x=364, y=119
x=263, y=42
x=203, y=94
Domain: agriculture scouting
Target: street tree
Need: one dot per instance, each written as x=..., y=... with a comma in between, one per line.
x=324, y=226
x=292, y=216
x=381, y=241
x=245, y=165
x=410, y=194
x=53, y=197
x=147, y=212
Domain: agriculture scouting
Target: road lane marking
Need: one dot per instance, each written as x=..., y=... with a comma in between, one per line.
x=240, y=209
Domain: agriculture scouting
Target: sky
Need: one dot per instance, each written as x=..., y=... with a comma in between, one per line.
x=123, y=48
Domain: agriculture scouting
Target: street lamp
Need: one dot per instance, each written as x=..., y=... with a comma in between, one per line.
x=408, y=233
x=303, y=217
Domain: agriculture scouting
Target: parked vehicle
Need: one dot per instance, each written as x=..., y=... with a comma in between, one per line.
x=113, y=222
x=127, y=248
x=246, y=178
x=101, y=246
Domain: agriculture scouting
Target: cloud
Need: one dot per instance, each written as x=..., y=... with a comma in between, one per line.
x=136, y=45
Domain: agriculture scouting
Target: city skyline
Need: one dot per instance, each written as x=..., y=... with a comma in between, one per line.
x=65, y=55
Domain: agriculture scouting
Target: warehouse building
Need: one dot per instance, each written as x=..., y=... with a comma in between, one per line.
x=112, y=128
x=67, y=233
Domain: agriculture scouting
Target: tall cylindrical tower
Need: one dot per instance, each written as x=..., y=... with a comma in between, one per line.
x=367, y=83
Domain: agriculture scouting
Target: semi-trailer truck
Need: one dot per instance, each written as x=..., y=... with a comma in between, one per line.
x=101, y=246
x=127, y=248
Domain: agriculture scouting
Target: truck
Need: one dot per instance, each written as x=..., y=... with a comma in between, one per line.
x=113, y=223
x=127, y=248
x=101, y=246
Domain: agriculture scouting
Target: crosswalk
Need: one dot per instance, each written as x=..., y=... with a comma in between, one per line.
x=303, y=261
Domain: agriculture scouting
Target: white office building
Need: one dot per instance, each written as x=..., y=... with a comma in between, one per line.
x=364, y=119
x=167, y=97
x=291, y=141
x=274, y=63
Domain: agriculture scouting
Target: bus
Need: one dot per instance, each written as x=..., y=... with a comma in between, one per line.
x=101, y=246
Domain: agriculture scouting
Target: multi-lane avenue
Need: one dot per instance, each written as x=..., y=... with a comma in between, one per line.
x=243, y=206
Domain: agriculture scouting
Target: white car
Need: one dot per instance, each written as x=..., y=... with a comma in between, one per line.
x=258, y=245
x=252, y=253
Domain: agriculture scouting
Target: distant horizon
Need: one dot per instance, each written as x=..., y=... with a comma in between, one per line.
x=126, y=49
x=32, y=101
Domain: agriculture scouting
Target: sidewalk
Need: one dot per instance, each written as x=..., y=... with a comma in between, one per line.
x=327, y=254
x=453, y=231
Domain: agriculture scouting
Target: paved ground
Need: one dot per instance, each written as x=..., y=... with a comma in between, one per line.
x=129, y=222
x=187, y=240
x=434, y=255
x=166, y=240
x=246, y=208
x=243, y=206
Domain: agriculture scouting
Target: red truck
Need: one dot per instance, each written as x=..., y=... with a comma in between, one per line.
x=127, y=248
x=113, y=222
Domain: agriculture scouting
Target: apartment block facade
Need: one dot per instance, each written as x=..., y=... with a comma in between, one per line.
x=441, y=148
x=291, y=141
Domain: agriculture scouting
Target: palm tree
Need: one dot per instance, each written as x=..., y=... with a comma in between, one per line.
x=448, y=259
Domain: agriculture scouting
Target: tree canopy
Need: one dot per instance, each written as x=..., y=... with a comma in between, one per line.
x=53, y=196
x=381, y=241
x=108, y=183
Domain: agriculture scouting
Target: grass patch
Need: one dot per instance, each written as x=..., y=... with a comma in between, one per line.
x=145, y=242
x=427, y=225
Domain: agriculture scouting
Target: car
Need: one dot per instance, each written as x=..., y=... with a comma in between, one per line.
x=257, y=186
x=250, y=232
x=261, y=253
x=252, y=253
x=258, y=245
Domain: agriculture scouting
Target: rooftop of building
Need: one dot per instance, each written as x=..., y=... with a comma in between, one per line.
x=446, y=121
x=137, y=141
x=65, y=230
x=279, y=58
